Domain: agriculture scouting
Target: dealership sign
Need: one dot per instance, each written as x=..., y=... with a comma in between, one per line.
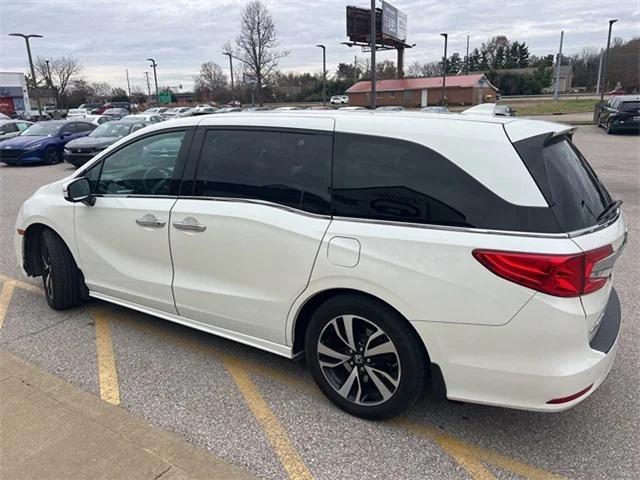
x=394, y=22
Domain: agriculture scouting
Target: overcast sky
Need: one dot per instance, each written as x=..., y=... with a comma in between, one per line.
x=109, y=36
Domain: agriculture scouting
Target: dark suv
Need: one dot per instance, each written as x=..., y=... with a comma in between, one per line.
x=621, y=113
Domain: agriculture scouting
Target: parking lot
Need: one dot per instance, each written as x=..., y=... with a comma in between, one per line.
x=265, y=414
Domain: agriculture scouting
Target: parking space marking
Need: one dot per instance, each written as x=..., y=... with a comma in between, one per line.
x=470, y=457
x=288, y=455
x=107, y=373
x=6, y=293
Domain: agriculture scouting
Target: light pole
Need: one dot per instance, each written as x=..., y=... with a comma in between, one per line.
x=233, y=94
x=146, y=74
x=33, y=72
x=324, y=75
x=606, y=61
x=444, y=70
x=466, y=60
x=155, y=77
x=373, y=54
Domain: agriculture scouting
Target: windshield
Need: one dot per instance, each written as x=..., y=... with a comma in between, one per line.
x=111, y=130
x=42, y=130
x=630, y=107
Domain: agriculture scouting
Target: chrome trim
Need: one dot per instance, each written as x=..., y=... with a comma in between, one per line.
x=258, y=202
x=595, y=228
x=604, y=267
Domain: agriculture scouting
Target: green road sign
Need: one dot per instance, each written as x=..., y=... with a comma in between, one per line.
x=164, y=97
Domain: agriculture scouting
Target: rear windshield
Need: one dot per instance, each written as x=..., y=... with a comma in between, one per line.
x=569, y=184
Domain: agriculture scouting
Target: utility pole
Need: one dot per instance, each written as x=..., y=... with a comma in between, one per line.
x=444, y=70
x=606, y=62
x=599, y=71
x=128, y=84
x=146, y=74
x=466, y=60
x=556, y=93
x=233, y=95
x=373, y=54
x=324, y=75
x=154, y=65
x=33, y=72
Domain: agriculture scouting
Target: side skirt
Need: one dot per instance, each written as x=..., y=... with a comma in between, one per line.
x=282, y=350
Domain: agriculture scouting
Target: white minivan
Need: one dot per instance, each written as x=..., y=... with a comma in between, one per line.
x=398, y=252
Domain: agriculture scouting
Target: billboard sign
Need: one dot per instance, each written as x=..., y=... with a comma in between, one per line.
x=394, y=22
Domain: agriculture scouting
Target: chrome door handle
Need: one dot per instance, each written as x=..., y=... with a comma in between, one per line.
x=190, y=224
x=150, y=220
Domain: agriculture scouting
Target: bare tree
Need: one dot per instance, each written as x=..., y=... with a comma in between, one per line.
x=257, y=44
x=102, y=90
x=211, y=79
x=58, y=73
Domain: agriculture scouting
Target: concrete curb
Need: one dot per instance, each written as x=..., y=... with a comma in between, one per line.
x=101, y=440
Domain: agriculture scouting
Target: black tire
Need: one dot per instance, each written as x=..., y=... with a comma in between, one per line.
x=412, y=360
x=60, y=275
x=52, y=156
x=609, y=128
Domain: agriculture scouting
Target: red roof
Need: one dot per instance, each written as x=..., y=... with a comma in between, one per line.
x=419, y=83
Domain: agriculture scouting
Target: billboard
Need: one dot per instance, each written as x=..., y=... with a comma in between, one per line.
x=394, y=22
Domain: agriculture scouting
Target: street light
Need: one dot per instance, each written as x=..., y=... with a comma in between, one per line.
x=233, y=95
x=444, y=69
x=155, y=77
x=33, y=72
x=324, y=74
x=606, y=61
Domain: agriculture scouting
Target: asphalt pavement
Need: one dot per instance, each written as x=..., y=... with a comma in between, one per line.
x=264, y=414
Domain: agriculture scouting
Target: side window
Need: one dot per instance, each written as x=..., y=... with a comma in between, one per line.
x=22, y=126
x=144, y=167
x=285, y=167
x=93, y=175
x=84, y=127
x=8, y=128
x=389, y=179
x=68, y=129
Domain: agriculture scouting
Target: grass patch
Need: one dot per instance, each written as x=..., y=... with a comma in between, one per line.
x=549, y=107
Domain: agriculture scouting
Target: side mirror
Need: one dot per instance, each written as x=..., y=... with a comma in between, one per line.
x=79, y=190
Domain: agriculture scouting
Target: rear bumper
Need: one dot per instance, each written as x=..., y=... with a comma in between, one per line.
x=541, y=355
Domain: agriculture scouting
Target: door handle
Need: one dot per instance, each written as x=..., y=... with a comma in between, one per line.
x=150, y=220
x=190, y=224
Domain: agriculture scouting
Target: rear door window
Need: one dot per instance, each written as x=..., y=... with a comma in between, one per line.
x=291, y=168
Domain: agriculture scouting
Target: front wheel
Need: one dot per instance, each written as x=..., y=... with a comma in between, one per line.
x=609, y=127
x=364, y=357
x=52, y=156
x=60, y=275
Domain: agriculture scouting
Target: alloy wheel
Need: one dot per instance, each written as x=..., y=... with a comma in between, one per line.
x=47, y=278
x=359, y=360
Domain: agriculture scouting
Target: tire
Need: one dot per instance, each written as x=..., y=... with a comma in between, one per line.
x=608, y=128
x=52, y=156
x=350, y=377
x=60, y=275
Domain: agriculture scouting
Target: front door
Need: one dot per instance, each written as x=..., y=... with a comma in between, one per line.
x=244, y=242
x=123, y=240
x=423, y=98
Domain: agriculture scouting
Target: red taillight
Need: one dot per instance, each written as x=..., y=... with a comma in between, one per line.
x=557, y=401
x=558, y=275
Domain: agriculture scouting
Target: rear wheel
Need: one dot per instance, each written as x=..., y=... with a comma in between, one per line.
x=364, y=357
x=52, y=156
x=60, y=275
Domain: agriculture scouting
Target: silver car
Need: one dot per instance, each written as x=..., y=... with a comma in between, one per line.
x=13, y=128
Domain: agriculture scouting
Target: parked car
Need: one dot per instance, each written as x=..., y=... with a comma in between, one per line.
x=116, y=113
x=349, y=109
x=435, y=109
x=124, y=105
x=229, y=110
x=490, y=109
x=78, y=112
x=92, y=107
x=195, y=111
x=98, y=119
x=4, y=117
x=156, y=110
x=43, y=141
x=257, y=109
x=79, y=151
x=175, y=112
x=54, y=112
x=471, y=256
x=620, y=114
x=390, y=108
x=286, y=109
x=617, y=91
x=339, y=100
x=12, y=128
x=145, y=117
x=33, y=115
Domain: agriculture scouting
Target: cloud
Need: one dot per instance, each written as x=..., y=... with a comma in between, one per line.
x=109, y=36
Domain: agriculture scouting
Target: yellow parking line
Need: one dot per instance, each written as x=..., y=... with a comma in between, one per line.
x=5, y=297
x=107, y=373
x=288, y=455
x=21, y=285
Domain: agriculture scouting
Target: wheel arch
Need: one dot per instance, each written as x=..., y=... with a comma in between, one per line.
x=31, y=247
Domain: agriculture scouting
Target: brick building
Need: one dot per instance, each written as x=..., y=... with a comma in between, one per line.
x=420, y=92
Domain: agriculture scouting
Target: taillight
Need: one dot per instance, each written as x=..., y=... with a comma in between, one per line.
x=559, y=275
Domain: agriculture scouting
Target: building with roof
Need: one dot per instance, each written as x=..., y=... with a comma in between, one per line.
x=420, y=92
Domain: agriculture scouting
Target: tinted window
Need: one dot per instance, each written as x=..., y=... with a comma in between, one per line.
x=389, y=179
x=630, y=106
x=144, y=167
x=84, y=127
x=93, y=175
x=288, y=168
x=8, y=128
